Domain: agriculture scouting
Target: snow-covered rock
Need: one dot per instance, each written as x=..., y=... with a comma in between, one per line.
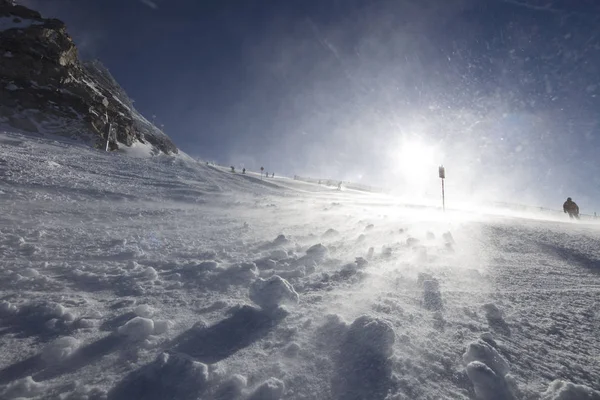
x=273, y=292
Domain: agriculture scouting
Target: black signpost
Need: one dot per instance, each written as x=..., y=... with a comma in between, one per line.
x=442, y=172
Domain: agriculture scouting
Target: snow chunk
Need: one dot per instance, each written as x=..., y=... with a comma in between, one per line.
x=278, y=255
x=281, y=240
x=488, y=385
x=331, y=233
x=60, y=349
x=6, y=308
x=272, y=292
x=241, y=273
x=144, y=311
x=150, y=273
x=318, y=250
x=232, y=388
x=170, y=376
x=23, y=388
x=483, y=352
x=137, y=328
x=495, y=319
x=271, y=389
x=561, y=390
x=364, y=363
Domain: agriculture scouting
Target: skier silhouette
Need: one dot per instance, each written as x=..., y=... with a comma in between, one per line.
x=571, y=208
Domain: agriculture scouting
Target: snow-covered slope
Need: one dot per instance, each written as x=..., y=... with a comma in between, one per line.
x=163, y=278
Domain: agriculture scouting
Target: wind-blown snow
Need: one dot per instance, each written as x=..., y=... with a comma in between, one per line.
x=165, y=278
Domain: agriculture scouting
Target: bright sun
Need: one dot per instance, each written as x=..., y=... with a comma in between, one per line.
x=417, y=162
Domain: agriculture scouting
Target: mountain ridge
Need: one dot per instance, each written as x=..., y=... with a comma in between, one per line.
x=47, y=88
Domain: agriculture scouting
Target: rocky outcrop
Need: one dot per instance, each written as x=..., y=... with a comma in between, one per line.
x=46, y=88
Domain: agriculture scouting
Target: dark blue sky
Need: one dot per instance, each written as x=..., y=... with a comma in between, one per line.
x=507, y=92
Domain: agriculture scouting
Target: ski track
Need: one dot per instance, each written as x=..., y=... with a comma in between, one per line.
x=91, y=240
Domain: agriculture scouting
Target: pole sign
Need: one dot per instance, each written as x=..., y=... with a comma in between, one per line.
x=442, y=173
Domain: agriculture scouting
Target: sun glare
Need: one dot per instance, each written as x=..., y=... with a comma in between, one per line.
x=417, y=162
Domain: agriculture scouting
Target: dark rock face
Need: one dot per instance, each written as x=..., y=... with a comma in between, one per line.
x=46, y=88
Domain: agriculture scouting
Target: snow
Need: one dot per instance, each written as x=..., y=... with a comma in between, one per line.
x=272, y=389
x=59, y=349
x=561, y=390
x=138, y=150
x=164, y=278
x=22, y=388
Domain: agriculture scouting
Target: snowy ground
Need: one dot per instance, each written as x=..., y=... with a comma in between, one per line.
x=160, y=278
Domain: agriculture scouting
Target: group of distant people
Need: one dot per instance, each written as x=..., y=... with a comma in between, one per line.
x=244, y=172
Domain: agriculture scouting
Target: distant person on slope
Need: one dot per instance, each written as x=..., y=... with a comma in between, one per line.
x=571, y=208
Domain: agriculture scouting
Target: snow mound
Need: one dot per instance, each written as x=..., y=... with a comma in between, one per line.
x=232, y=388
x=271, y=389
x=144, y=311
x=7, y=308
x=483, y=352
x=489, y=372
x=331, y=233
x=240, y=273
x=22, y=388
x=561, y=390
x=488, y=385
x=137, y=328
x=278, y=254
x=60, y=349
x=150, y=274
x=364, y=366
x=273, y=292
x=317, y=251
x=495, y=319
x=170, y=376
x=281, y=240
